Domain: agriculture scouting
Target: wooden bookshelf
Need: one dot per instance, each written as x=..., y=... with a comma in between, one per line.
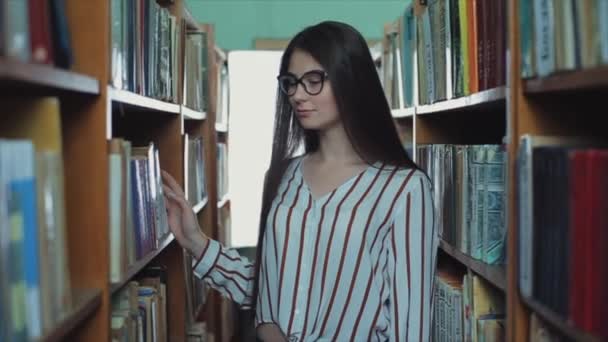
x=91, y=112
x=221, y=128
x=142, y=263
x=404, y=113
x=559, y=324
x=494, y=274
x=479, y=118
x=570, y=81
x=221, y=54
x=225, y=200
x=200, y=205
x=191, y=23
x=85, y=302
x=487, y=99
x=550, y=105
x=138, y=102
x=200, y=310
x=190, y=114
x=44, y=79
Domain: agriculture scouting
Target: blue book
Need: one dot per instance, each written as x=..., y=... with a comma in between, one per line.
x=409, y=44
x=26, y=190
x=18, y=329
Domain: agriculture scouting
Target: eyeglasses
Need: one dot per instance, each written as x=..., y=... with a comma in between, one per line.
x=312, y=81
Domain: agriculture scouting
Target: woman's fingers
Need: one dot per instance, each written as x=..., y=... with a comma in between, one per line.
x=172, y=183
x=169, y=193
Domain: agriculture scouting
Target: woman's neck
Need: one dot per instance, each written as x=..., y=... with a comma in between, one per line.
x=335, y=146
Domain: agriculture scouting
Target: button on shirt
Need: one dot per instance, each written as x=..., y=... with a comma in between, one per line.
x=355, y=264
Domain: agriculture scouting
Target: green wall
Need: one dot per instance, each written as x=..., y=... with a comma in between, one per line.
x=239, y=22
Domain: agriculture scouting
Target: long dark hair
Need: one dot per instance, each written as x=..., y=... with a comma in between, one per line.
x=364, y=111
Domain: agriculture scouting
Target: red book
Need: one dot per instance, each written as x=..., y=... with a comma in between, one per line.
x=40, y=31
x=578, y=224
x=587, y=247
x=602, y=262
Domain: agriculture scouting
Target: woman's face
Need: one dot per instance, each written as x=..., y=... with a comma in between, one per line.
x=314, y=112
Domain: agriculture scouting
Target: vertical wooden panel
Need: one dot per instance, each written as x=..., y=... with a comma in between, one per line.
x=86, y=162
x=176, y=287
x=170, y=145
x=213, y=309
x=518, y=112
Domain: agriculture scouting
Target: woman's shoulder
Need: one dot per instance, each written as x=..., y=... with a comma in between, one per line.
x=408, y=175
x=290, y=165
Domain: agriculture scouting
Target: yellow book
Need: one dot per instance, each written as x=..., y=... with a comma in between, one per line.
x=464, y=43
x=487, y=300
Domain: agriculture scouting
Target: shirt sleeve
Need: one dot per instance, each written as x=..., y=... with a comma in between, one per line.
x=224, y=270
x=412, y=253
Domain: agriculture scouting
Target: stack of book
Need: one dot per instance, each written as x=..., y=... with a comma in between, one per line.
x=138, y=215
x=144, y=49
x=469, y=194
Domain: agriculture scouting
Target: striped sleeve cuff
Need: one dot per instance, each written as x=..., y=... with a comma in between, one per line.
x=207, y=260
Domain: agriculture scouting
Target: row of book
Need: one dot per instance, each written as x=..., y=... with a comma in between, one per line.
x=34, y=282
x=222, y=170
x=452, y=48
x=144, y=49
x=563, y=227
x=138, y=215
x=562, y=35
x=195, y=179
x=469, y=194
x=466, y=308
x=35, y=31
x=196, y=75
x=139, y=310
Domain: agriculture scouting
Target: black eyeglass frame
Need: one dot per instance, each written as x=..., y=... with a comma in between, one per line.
x=324, y=76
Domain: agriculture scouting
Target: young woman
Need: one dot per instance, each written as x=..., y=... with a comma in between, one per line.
x=347, y=244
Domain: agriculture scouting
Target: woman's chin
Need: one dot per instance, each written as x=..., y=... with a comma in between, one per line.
x=309, y=124
x=315, y=125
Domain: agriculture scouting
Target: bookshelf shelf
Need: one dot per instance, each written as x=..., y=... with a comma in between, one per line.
x=558, y=323
x=142, y=103
x=221, y=127
x=404, y=113
x=141, y=264
x=494, y=274
x=85, y=122
x=478, y=101
x=579, y=80
x=85, y=303
x=222, y=202
x=190, y=114
x=200, y=205
x=41, y=78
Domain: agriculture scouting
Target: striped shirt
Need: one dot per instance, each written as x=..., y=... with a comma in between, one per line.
x=355, y=264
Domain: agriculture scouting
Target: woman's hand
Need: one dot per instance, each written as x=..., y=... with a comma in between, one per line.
x=181, y=217
x=269, y=332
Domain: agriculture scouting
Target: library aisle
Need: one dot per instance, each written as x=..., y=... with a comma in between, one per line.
x=496, y=100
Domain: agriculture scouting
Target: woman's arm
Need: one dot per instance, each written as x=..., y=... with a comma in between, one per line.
x=226, y=271
x=412, y=247
x=221, y=268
